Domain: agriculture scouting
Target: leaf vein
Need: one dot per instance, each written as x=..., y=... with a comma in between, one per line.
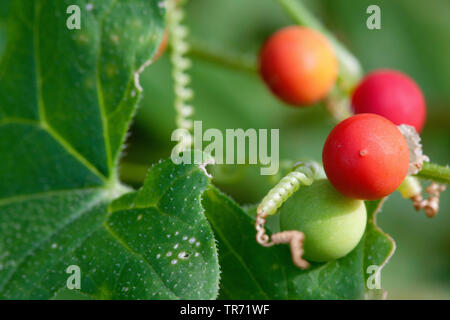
x=77, y=215
x=126, y=246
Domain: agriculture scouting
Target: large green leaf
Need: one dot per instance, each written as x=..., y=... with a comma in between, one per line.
x=150, y=244
x=250, y=271
x=75, y=87
x=66, y=99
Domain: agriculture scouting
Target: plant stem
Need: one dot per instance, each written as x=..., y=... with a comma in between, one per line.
x=435, y=172
x=350, y=70
x=235, y=60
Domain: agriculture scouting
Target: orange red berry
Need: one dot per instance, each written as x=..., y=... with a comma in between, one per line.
x=298, y=64
x=366, y=157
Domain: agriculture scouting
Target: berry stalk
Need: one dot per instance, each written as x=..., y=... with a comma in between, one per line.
x=223, y=56
x=435, y=172
x=350, y=70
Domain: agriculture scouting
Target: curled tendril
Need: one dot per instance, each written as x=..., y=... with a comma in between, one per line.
x=430, y=205
x=303, y=174
x=180, y=63
x=412, y=189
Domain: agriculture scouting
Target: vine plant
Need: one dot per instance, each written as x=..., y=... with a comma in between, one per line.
x=67, y=98
x=338, y=104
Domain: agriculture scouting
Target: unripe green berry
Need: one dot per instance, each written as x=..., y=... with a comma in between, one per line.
x=332, y=223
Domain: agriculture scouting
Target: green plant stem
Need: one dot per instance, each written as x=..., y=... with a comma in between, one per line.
x=225, y=57
x=350, y=70
x=435, y=172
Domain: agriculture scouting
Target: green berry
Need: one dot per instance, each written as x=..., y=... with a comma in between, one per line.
x=332, y=223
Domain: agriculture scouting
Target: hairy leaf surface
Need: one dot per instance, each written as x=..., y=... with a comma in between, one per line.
x=66, y=100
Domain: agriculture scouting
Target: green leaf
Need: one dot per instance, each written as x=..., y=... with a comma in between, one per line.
x=378, y=246
x=165, y=224
x=250, y=271
x=151, y=244
x=76, y=87
x=66, y=100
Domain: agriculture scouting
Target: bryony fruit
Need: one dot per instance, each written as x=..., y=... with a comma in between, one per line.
x=332, y=223
x=299, y=65
x=393, y=95
x=366, y=157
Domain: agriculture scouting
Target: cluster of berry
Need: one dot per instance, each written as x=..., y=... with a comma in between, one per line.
x=365, y=157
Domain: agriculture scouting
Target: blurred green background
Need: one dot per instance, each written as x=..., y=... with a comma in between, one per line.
x=415, y=38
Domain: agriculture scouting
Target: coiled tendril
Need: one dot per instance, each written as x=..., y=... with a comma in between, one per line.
x=412, y=189
x=302, y=174
x=180, y=64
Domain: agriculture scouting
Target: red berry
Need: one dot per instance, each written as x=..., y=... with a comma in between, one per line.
x=393, y=95
x=299, y=65
x=366, y=157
